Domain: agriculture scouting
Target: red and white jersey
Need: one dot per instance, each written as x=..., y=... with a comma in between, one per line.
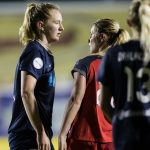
x=90, y=123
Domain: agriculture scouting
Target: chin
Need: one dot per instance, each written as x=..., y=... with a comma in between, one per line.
x=54, y=40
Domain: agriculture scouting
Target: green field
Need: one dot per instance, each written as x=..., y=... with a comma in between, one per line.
x=4, y=144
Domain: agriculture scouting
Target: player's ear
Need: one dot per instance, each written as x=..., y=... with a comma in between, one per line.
x=40, y=25
x=103, y=37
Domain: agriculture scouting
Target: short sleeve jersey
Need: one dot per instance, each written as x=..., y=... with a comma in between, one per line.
x=123, y=71
x=35, y=60
x=90, y=123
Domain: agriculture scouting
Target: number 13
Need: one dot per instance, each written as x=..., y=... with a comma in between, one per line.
x=145, y=85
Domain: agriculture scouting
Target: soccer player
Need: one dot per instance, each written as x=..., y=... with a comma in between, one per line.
x=34, y=83
x=84, y=126
x=125, y=75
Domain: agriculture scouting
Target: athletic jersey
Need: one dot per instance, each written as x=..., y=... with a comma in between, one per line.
x=90, y=123
x=123, y=71
x=40, y=64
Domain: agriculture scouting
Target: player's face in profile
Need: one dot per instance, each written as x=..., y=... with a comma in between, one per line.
x=53, y=26
x=93, y=41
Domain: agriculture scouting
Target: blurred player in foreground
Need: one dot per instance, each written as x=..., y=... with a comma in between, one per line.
x=125, y=75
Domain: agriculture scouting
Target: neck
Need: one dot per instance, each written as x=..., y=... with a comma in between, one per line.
x=101, y=51
x=45, y=45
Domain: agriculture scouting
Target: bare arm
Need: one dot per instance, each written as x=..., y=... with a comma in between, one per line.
x=105, y=102
x=73, y=107
x=28, y=83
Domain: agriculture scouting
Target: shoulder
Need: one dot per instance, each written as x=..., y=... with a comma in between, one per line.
x=130, y=45
x=89, y=59
x=127, y=45
x=33, y=47
x=31, y=51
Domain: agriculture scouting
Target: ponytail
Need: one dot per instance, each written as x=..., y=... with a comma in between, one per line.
x=26, y=32
x=120, y=37
x=144, y=15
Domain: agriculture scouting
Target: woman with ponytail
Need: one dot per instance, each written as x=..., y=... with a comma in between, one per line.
x=34, y=83
x=125, y=76
x=84, y=126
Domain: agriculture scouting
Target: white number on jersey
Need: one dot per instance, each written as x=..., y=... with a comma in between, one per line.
x=145, y=85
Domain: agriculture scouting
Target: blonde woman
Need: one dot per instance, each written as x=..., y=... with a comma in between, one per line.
x=34, y=83
x=125, y=75
x=84, y=126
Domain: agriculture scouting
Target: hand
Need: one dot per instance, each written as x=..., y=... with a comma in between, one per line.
x=43, y=142
x=62, y=144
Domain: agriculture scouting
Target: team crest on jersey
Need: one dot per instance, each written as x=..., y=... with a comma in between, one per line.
x=38, y=63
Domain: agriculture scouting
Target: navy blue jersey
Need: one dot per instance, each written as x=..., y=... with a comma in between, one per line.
x=123, y=71
x=40, y=64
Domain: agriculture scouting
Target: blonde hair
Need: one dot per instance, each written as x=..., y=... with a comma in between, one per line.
x=140, y=18
x=34, y=13
x=112, y=28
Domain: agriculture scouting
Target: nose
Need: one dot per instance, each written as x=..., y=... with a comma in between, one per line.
x=61, y=27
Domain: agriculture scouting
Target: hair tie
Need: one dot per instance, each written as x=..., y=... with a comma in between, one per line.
x=115, y=36
x=119, y=31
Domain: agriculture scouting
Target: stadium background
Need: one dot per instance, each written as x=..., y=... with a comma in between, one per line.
x=78, y=17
